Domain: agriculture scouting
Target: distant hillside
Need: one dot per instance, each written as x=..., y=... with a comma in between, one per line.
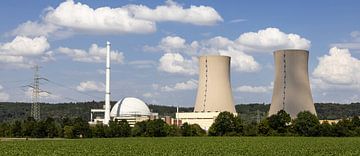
x=249, y=112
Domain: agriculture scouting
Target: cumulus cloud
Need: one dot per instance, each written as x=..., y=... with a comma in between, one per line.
x=95, y=54
x=25, y=46
x=3, y=95
x=338, y=69
x=91, y=86
x=197, y=15
x=270, y=39
x=352, y=44
x=43, y=95
x=265, y=40
x=34, y=29
x=23, y=52
x=70, y=17
x=241, y=61
x=255, y=89
x=143, y=64
x=188, y=85
x=176, y=63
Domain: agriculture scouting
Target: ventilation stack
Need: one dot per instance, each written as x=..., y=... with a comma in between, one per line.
x=214, y=89
x=291, y=91
x=107, y=87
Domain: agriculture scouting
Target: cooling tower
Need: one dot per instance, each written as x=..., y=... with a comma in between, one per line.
x=214, y=90
x=291, y=86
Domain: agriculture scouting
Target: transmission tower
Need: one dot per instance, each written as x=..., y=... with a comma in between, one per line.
x=35, y=106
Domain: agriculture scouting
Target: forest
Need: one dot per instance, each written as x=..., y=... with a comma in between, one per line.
x=249, y=112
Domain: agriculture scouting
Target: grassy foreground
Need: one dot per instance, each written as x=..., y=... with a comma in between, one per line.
x=185, y=146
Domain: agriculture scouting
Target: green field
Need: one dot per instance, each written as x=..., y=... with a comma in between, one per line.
x=186, y=146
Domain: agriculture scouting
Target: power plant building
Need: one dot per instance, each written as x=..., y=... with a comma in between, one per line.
x=291, y=91
x=214, y=94
x=130, y=109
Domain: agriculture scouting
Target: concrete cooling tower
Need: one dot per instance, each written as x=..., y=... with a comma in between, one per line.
x=214, y=90
x=291, y=86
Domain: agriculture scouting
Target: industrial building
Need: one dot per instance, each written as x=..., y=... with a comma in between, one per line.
x=291, y=91
x=214, y=93
x=131, y=109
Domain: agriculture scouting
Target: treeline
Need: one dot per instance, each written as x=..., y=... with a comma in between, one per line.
x=226, y=124
x=280, y=124
x=10, y=111
x=79, y=128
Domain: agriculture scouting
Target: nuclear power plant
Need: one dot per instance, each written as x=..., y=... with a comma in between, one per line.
x=131, y=109
x=214, y=90
x=214, y=93
x=291, y=91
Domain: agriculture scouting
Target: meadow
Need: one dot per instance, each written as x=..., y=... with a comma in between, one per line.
x=185, y=146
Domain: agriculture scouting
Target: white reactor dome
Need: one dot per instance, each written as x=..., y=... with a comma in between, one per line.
x=130, y=106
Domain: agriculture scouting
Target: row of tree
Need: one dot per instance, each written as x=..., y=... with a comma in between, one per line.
x=79, y=128
x=281, y=124
x=226, y=124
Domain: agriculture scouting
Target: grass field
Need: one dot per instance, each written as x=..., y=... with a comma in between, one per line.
x=186, y=146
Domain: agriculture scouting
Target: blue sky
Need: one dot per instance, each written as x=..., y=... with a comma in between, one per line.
x=156, y=43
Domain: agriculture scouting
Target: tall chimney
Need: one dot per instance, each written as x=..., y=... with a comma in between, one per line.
x=107, y=91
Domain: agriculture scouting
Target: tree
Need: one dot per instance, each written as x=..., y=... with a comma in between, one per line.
x=81, y=128
x=264, y=128
x=69, y=132
x=40, y=130
x=279, y=122
x=5, y=130
x=118, y=129
x=156, y=128
x=185, y=129
x=98, y=131
x=28, y=127
x=355, y=121
x=139, y=129
x=251, y=129
x=173, y=130
x=226, y=124
x=325, y=129
x=306, y=123
x=196, y=130
x=52, y=129
x=191, y=130
x=16, y=129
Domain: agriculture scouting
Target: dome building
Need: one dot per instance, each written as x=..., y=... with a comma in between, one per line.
x=132, y=110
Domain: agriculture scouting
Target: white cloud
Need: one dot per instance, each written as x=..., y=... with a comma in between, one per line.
x=148, y=95
x=352, y=44
x=43, y=95
x=71, y=17
x=188, y=85
x=3, y=95
x=197, y=15
x=95, y=54
x=338, y=69
x=23, y=52
x=34, y=29
x=270, y=39
x=82, y=17
x=91, y=86
x=265, y=40
x=143, y=64
x=176, y=63
x=255, y=89
x=241, y=61
x=25, y=46
x=238, y=20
